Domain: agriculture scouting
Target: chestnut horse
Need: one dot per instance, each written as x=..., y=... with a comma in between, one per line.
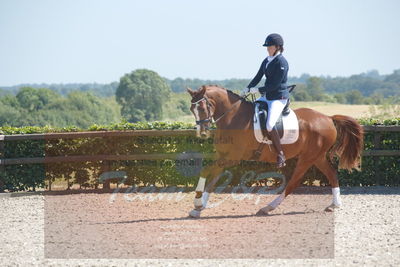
x=320, y=138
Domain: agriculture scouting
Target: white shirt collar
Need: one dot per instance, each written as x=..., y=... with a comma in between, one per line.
x=270, y=58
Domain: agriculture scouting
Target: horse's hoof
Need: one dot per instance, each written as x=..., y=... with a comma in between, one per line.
x=195, y=213
x=331, y=207
x=261, y=213
x=264, y=211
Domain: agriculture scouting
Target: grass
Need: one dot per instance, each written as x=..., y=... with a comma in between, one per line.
x=327, y=108
x=356, y=111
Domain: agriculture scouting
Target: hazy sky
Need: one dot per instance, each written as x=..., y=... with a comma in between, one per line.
x=62, y=41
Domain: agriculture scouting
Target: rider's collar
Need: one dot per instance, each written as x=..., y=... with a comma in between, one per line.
x=270, y=58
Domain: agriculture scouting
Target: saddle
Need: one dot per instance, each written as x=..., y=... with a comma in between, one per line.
x=287, y=125
x=263, y=115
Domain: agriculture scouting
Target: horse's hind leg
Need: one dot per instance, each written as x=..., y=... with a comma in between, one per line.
x=302, y=166
x=326, y=168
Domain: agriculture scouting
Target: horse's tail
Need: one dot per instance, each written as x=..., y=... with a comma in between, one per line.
x=349, y=142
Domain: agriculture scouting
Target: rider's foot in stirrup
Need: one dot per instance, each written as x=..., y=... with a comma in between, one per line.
x=281, y=160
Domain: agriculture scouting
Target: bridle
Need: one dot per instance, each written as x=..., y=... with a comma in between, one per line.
x=210, y=117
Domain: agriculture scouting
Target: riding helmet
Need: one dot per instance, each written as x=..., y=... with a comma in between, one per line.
x=273, y=39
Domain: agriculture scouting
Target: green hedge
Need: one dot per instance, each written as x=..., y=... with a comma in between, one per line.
x=375, y=170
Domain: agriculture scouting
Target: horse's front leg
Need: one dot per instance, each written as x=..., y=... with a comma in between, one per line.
x=208, y=178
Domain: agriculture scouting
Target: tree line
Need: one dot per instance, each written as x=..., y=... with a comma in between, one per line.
x=368, y=84
x=43, y=106
x=143, y=95
x=364, y=88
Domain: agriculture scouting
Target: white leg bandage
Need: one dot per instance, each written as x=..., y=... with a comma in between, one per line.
x=198, y=202
x=336, y=196
x=275, y=203
x=204, y=199
x=201, y=185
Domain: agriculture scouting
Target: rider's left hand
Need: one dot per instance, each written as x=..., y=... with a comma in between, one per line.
x=244, y=92
x=253, y=90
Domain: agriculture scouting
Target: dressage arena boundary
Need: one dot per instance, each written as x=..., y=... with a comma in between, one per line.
x=376, y=151
x=378, y=132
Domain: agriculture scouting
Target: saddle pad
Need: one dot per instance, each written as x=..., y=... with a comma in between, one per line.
x=290, y=129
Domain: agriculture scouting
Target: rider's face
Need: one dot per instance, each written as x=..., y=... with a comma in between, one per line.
x=271, y=50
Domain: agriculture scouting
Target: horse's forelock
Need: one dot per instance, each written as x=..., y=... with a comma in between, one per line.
x=198, y=94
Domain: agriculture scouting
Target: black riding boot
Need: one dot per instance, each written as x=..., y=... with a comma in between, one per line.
x=277, y=144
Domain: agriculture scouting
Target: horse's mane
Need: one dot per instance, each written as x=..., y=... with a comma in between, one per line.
x=229, y=92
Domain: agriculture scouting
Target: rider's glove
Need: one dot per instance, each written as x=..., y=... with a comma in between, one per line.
x=244, y=92
x=253, y=90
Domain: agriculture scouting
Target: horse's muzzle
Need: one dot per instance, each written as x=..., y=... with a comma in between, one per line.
x=204, y=134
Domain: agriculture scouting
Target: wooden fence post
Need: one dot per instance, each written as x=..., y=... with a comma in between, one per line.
x=2, y=165
x=377, y=146
x=105, y=167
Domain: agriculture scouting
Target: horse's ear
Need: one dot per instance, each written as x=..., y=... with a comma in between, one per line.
x=190, y=91
x=203, y=89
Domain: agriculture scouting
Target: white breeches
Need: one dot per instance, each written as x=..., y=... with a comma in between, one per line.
x=275, y=108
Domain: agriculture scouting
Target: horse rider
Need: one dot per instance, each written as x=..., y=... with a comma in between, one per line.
x=275, y=91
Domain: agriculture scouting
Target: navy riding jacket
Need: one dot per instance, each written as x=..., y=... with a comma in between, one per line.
x=276, y=77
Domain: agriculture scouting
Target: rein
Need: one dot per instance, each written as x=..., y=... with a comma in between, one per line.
x=241, y=99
